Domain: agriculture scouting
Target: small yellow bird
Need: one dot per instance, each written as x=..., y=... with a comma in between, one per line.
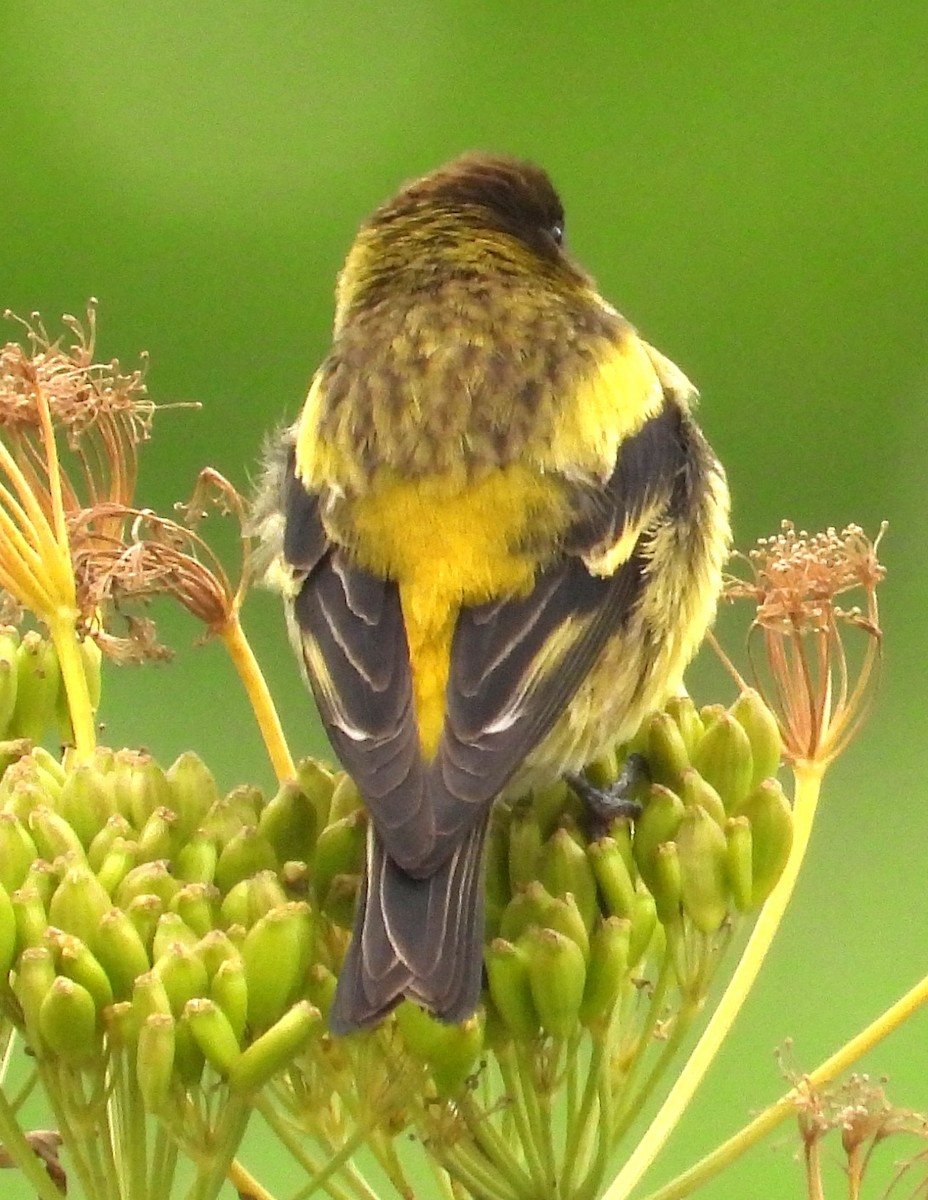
x=500, y=537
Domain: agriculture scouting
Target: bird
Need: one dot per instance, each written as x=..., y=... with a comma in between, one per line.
x=500, y=537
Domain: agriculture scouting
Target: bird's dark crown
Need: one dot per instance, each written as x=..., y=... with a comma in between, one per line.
x=507, y=195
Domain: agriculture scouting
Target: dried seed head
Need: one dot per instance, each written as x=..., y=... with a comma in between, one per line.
x=795, y=581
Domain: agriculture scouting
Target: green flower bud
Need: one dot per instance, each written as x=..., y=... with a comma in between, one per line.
x=79, y=902
x=771, y=819
x=189, y=1059
x=44, y=877
x=607, y=971
x=35, y=974
x=53, y=836
x=510, y=989
x=236, y=908
x=7, y=933
x=759, y=723
x=197, y=904
x=156, y=839
x=317, y=782
x=449, y=1051
x=496, y=869
x=528, y=907
x=30, y=917
x=193, y=792
x=602, y=772
x=120, y=1026
x=704, y=880
x=115, y=827
x=276, y=954
x=644, y=925
x=682, y=711
x=320, y=987
x=91, y=658
x=155, y=1061
x=9, y=645
x=49, y=770
x=24, y=792
x=213, y=1034
x=196, y=861
x=148, y=879
x=611, y=871
x=229, y=989
x=77, y=962
x=724, y=759
x=181, y=971
x=121, y=952
x=86, y=801
x=172, y=929
x=557, y=978
x=668, y=883
x=658, y=823
x=666, y=752
x=696, y=792
x=342, y=899
x=563, y=915
x=17, y=851
x=232, y=813
x=12, y=752
x=524, y=845
x=288, y=823
x=215, y=948
x=710, y=713
x=117, y=864
x=550, y=805
x=150, y=996
x=346, y=798
x=144, y=911
x=339, y=851
x=252, y=898
x=246, y=853
x=275, y=1049
x=739, y=856
x=68, y=1023
x=37, y=681
x=563, y=868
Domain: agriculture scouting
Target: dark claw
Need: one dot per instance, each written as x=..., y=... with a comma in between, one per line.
x=603, y=805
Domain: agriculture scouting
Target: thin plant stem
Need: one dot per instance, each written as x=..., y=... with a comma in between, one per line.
x=494, y=1148
x=296, y=1148
x=64, y=636
x=16, y=1145
x=479, y=1178
x=536, y=1122
x=245, y=1183
x=164, y=1165
x=259, y=696
x=785, y=1107
x=808, y=775
x=521, y=1116
x=644, y=1039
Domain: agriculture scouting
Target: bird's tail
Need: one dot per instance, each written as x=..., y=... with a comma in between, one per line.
x=420, y=938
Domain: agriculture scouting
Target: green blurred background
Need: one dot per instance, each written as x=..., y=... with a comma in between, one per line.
x=747, y=181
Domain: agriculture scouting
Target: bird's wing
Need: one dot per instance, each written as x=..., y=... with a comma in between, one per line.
x=515, y=664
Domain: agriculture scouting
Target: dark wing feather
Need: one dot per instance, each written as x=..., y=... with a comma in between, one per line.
x=500, y=701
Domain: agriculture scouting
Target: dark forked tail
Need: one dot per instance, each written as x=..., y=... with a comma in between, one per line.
x=419, y=938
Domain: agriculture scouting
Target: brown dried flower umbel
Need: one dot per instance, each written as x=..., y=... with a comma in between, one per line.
x=104, y=412
x=860, y=1112
x=795, y=580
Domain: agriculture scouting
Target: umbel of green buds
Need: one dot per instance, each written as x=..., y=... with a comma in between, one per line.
x=196, y=935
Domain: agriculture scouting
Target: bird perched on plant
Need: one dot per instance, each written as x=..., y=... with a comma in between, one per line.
x=500, y=537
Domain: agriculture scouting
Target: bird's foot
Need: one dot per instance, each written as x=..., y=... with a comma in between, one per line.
x=604, y=804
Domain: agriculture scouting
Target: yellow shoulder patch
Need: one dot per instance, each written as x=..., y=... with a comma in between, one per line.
x=608, y=405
